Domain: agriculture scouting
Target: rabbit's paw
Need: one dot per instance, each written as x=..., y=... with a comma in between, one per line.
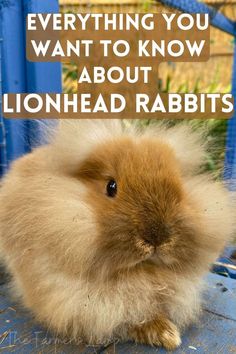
x=159, y=332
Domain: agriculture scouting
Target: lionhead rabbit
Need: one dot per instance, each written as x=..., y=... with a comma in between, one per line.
x=107, y=230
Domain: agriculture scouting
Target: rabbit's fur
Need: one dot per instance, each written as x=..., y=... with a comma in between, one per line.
x=129, y=267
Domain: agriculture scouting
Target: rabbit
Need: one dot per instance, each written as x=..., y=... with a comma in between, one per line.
x=108, y=230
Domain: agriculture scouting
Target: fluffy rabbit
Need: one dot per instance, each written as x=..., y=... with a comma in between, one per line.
x=107, y=231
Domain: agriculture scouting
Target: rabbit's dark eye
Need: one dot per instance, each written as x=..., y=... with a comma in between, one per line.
x=111, y=188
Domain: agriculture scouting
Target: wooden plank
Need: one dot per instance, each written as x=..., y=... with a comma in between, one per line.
x=133, y=2
x=222, y=50
x=215, y=333
x=102, y=2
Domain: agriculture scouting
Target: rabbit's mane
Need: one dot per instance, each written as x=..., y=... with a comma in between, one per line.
x=73, y=140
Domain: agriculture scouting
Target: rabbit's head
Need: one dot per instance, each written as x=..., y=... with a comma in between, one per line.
x=137, y=187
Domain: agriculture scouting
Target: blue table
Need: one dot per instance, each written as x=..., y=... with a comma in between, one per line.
x=215, y=333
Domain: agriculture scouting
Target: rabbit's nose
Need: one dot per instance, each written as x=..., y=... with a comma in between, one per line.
x=157, y=234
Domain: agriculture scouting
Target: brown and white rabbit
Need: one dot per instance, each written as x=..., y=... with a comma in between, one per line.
x=108, y=230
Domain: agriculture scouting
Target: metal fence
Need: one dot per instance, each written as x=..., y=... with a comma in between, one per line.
x=221, y=22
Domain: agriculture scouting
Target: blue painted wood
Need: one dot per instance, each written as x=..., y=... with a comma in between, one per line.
x=230, y=157
x=3, y=145
x=215, y=332
x=224, y=264
x=41, y=77
x=19, y=76
x=13, y=71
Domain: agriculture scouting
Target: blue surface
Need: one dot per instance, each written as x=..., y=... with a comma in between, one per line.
x=215, y=332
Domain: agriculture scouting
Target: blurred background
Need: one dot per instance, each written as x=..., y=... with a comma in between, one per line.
x=211, y=77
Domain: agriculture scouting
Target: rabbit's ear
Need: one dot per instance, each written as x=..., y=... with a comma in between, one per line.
x=188, y=144
x=73, y=140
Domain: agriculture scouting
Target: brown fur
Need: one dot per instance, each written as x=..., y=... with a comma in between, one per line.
x=159, y=331
x=149, y=209
x=101, y=268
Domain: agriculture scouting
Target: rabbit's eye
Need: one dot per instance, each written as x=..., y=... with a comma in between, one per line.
x=111, y=188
